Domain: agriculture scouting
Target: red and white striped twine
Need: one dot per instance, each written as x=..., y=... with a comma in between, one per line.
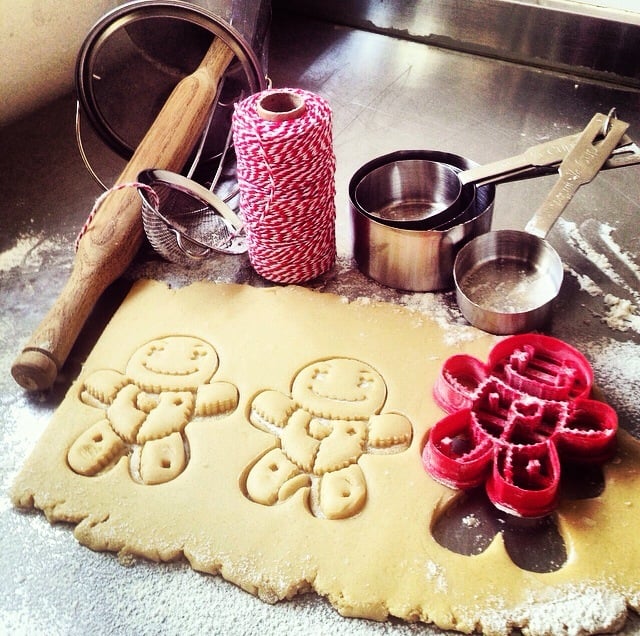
x=286, y=176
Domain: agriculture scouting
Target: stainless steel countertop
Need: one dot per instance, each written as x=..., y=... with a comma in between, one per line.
x=387, y=94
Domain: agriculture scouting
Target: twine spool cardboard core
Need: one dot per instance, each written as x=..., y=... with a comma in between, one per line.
x=280, y=106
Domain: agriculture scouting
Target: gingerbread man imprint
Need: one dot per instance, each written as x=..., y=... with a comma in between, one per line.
x=166, y=384
x=332, y=417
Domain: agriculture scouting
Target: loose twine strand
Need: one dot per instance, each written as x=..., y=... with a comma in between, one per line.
x=153, y=197
x=286, y=177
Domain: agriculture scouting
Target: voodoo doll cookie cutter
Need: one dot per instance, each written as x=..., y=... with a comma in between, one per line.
x=514, y=421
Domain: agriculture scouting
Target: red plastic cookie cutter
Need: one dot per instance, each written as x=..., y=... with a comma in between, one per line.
x=514, y=421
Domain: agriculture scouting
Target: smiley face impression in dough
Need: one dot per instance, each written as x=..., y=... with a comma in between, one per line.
x=331, y=419
x=167, y=382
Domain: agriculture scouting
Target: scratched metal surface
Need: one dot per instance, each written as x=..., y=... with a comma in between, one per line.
x=387, y=94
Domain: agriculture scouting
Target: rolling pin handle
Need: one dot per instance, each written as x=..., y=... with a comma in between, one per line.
x=34, y=370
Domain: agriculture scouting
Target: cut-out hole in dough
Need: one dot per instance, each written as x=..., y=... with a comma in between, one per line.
x=582, y=481
x=470, y=523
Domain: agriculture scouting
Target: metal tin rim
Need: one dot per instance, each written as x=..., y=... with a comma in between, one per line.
x=400, y=155
x=137, y=9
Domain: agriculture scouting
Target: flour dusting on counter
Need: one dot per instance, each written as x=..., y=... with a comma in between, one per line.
x=620, y=310
x=17, y=255
x=31, y=252
x=621, y=314
x=605, y=233
x=619, y=382
x=445, y=314
x=581, y=609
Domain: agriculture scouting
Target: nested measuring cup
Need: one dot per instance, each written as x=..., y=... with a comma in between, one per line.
x=416, y=259
x=425, y=194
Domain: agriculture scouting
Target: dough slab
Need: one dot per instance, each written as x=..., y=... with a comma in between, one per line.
x=274, y=436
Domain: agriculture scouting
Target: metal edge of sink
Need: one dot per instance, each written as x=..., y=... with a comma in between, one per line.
x=596, y=45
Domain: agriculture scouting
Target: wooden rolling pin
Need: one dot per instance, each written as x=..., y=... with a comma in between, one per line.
x=115, y=234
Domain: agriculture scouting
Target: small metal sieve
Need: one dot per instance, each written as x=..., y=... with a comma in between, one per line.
x=189, y=222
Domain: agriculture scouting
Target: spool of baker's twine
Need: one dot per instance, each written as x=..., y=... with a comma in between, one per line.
x=286, y=176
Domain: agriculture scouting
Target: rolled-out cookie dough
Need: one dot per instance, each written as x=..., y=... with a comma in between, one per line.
x=274, y=436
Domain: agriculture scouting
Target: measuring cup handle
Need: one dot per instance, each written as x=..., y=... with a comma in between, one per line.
x=578, y=168
x=548, y=213
x=541, y=155
x=494, y=171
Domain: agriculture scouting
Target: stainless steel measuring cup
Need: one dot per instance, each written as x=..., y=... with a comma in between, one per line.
x=414, y=259
x=507, y=280
x=425, y=194
x=400, y=189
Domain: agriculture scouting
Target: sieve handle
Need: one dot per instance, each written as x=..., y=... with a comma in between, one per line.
x=115, y=233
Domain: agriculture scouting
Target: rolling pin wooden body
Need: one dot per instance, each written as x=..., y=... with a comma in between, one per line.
x=115, y=234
